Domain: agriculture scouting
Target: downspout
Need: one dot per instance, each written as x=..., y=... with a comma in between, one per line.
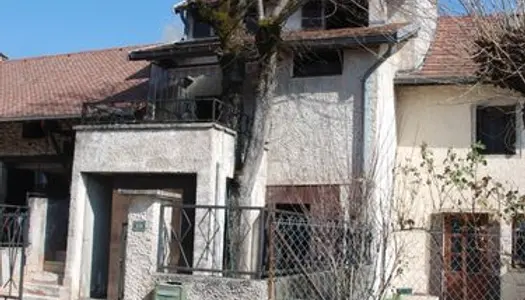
x=365, y=126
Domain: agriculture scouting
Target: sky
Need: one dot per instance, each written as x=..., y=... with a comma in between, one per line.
x=31, y=28
x=44, y=27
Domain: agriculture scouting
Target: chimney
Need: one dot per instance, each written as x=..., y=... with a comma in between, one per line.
x=3, y=57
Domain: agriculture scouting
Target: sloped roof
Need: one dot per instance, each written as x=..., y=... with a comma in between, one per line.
x=56, y=86
x=343, y=37
x=450, y=54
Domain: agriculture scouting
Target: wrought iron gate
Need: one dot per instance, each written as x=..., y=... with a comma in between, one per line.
x=14, y=222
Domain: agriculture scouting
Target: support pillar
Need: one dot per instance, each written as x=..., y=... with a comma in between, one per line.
x=143, y=240
x=37, y=234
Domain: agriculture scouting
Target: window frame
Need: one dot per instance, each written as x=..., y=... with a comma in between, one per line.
x=316, y=58
x=193, y=22
x=307, y=22
x=481, y=138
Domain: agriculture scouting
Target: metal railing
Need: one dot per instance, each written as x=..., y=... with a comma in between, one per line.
x=14, y=221
x=216, y=240
x=199, y=110
x=253, y=241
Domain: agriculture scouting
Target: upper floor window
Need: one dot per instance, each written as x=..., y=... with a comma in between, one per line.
x=199, y=29
x=328, y=14
x=496, y=129
x=318, y=63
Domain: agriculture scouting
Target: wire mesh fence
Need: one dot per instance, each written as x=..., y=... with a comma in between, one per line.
x=459, y=257
x=316, y=259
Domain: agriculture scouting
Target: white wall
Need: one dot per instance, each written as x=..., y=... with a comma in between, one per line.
x=423, y=13
x=180, y=148
x=314, y=124
x=443, y=117
x=294, y=21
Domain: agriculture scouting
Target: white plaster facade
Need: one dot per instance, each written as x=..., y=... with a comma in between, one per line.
x=443, y=116
x=318, y=126
x=208, y=152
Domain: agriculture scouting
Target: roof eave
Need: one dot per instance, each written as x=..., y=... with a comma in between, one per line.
x=434, y=80
x=39, y=117
x=209, y=46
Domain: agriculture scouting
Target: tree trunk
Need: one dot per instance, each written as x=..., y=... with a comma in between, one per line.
x=246, y=176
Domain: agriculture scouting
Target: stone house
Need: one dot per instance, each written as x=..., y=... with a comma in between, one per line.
x=96, y=169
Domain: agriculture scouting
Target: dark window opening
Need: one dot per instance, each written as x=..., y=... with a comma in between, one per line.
x=496, y=129
x=312, y=15
x=200, y=28
x=518, y=241
x=251, y=21
x=318, y=63
x=347, y=14
x=322, y=14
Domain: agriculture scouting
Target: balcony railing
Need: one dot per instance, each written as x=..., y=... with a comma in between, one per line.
x=202, y=110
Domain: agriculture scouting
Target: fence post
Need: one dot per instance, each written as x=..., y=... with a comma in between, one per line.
x=25, y=235
x=271, y=254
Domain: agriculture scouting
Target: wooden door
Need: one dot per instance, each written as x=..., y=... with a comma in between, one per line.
x=469, y=266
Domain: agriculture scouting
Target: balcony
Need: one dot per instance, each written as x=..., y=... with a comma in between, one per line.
x=201, y=110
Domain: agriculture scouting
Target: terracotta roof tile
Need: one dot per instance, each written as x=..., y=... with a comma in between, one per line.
x=56, y=86
x=450, y=52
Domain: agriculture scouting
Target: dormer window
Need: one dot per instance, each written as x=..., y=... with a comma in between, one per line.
x=199, y=29
x=312, y=15
x=330, y=14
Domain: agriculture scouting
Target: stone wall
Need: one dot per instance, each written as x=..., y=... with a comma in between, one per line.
x=217, y=288
x=12, y=143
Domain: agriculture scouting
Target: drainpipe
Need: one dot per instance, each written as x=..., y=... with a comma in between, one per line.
x=365, y=127
x=367, y=123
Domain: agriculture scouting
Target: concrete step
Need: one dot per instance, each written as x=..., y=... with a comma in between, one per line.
x=39, y=289
x=35, y=297
x=45, y=278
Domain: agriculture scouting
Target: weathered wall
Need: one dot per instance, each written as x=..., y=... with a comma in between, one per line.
x=218, y=288
x=203, y=149
x=12, y=143
x=143, y=246
x=443, y=117
x=423, y=13
x=294, y=21
x=314, y=124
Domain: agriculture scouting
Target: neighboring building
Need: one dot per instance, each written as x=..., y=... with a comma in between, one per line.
x=441, y=104
x=99, y=133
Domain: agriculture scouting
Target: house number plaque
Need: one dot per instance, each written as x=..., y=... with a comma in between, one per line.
x=139, y=226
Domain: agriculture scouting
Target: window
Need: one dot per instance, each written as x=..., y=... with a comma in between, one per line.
x=200, y=29
x=318, y=63
x=496, y=129
x=312, y=15
x=518, y=241
x=323, y=14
